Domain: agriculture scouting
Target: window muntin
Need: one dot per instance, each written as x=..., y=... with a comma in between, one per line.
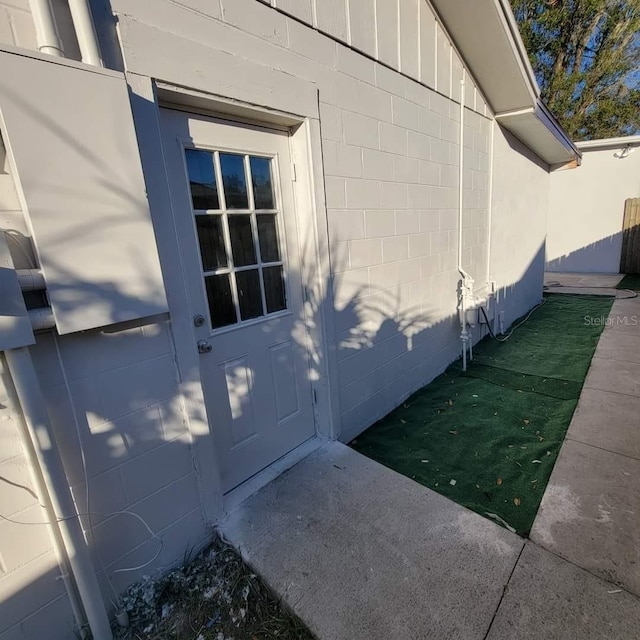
x=241, y=250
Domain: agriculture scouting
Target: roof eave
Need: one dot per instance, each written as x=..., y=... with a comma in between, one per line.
x=486, y=34
x=608, y=143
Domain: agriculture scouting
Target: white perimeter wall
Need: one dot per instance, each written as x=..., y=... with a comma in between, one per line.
x=586, y=211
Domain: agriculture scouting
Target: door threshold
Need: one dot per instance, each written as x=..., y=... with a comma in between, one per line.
x=233, y=498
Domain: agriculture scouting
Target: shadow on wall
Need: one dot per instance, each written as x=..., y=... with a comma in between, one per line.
x=590, y=258
x=122, y=387
x=124, y=390
x=515, y=299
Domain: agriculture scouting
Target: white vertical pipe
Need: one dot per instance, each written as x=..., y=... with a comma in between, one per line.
x=490, y=196
x=36, y=430
x=31, y=279
x=45, y=502
x=492, y=297
x=461, y=175
x=44, y=21
x=464, y=334
x=85, y=32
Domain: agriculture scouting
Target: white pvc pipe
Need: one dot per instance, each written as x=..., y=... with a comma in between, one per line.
x=464, y=334
x=44, y=21
x=491, y=291
x=490, y=202
x=31, y=279
x=37, y=435
x=85, y=32
x=463, y=273
x=41, y=319
x=56, y=537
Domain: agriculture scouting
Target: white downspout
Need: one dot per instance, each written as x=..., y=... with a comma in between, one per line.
x=85, y=32
x=37, y=437
x=467, y=280
x=44, y=21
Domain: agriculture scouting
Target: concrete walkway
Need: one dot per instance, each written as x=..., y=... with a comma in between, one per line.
x=603, y=284
x=362, y=553
x=590, y=513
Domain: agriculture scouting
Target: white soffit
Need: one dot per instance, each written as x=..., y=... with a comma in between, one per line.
x=483, y=37
x=529, y=127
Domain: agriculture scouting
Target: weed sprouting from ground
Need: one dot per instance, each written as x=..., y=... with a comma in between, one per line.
x=214, y=597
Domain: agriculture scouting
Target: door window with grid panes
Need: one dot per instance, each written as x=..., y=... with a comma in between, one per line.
x=236, y=214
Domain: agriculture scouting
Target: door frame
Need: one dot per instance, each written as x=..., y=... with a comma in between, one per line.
x=147, y=97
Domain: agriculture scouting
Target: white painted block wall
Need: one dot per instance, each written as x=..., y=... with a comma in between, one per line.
x=391, y=164
x=586, y=211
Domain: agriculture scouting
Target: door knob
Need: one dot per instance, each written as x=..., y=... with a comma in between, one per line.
x=204, y=346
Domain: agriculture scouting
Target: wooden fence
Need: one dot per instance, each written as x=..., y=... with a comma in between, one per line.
x=630, y=256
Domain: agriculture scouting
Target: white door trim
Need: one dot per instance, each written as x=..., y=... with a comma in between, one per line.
x=306, y=151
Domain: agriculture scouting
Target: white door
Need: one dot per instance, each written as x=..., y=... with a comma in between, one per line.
x=232, y=198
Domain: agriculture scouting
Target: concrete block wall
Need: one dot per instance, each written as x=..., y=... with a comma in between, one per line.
x=390, y=148
x=123, y=389
x=404, y=35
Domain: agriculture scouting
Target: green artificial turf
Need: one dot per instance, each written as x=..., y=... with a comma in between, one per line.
x=630, y=281
x=489, y=438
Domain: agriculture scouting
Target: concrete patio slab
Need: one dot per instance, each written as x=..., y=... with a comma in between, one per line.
x=590, y=513
x=617, y=376
x=582, y=279
x=584, y=291
x=593, y=423
x=550, y=598
x=361, y=552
